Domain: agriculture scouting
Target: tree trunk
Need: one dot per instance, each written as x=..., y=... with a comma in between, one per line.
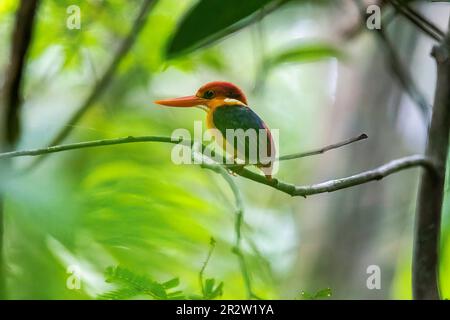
x=10, y=103
x=431, y=191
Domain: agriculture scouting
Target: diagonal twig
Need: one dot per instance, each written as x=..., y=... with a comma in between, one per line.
x=400, y=72
x=424, y=20
x=342, y=183
x=324, y=149
x=212, y=246
x=108, y=74
x=419, y=21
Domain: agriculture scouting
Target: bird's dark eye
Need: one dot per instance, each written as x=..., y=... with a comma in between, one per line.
x=208, y=94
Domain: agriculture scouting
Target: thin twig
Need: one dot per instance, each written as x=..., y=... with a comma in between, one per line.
x=293, y=190
x=90, y=144
x=324, y=149
x=422, y=23
x=424, y=20
x=131, y=139
x=239, y=220
x=108, y=74
x=212, y=245
x=400, y=72
x=404, y=77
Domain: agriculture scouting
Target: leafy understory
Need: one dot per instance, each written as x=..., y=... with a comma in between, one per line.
x=132, y=285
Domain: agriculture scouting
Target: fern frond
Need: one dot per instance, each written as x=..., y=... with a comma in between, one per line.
x=119, y=294
x=141, y=284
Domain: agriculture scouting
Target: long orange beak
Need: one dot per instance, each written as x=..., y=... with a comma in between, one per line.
x=189, y=101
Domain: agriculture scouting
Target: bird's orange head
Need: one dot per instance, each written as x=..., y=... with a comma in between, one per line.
x=211, y=95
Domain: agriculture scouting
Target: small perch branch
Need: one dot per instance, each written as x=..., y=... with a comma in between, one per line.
x=131, y=139
x=324, y=149
x=212, y=245
x=88, y=144
x=293, y=190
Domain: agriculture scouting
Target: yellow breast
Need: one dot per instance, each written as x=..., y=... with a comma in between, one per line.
x=209, y=119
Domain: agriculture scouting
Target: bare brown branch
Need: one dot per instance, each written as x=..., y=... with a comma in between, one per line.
x=403, y=75
x=293, y=190
x=12, y=91
x=431, y=192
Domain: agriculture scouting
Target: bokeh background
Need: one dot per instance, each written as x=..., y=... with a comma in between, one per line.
x=130, y=206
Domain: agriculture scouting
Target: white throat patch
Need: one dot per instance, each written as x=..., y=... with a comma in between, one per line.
x=233, y=101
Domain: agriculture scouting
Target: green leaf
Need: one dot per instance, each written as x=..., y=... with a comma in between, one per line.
x=209, y=286
x=176, y=295
x=175, y=282
x=217, y=292
x=195, y=297
x=211, y=20
x=298, y=53
x=141, y=284
x=119, y=294
x=157, y=290
x=304, y=52
x=212, y=292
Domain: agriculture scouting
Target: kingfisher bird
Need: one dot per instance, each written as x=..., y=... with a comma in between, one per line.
x=227, y=109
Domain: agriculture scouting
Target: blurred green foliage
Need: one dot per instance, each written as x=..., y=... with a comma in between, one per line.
x=129, y=205
x=210, y=20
